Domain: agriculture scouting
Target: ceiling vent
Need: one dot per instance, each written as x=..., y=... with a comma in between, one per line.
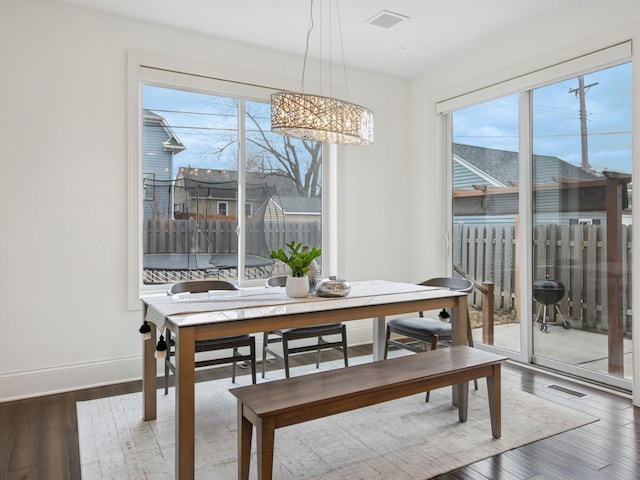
x=386, y=19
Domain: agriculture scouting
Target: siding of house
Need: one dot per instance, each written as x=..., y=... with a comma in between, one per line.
x=159, y=162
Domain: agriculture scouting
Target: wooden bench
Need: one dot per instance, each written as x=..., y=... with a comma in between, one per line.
x=295, y=400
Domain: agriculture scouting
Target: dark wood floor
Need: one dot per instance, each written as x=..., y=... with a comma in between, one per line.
x=39, y=436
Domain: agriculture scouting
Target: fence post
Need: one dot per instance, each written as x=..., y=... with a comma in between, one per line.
x=487, y=313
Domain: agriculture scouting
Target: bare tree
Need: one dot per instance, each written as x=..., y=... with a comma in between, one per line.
x=300, y=160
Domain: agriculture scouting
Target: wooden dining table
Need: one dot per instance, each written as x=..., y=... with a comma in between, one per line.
x=192, y=317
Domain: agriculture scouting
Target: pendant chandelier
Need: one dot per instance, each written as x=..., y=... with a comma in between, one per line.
x=317, y=117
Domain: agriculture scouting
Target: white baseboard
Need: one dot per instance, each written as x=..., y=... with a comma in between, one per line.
x=65, y=378
x=47, y=381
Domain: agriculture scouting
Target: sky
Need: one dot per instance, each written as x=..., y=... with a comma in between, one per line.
x=206, y=124
x=556, y=121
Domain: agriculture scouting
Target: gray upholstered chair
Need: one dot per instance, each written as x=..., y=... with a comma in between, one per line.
x=225, y=343
x=419, y=334
x=316, y=331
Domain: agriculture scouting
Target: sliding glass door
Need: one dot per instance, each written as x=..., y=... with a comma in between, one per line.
x=485, y=172
x=541, y=202
x=581, y=241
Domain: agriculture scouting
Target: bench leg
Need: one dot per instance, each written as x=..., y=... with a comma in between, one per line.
x=245, y=431
x=265, y=436
x=462, y=390
x=495, y=401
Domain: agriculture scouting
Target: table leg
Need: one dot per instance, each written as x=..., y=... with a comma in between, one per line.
x=265, y=437
x=379, y=336
x=458, y=335
x=463, y=401
x=459, y=322
x=495, y=401
x=149, y=373
x=185, y=403
x=245, y=432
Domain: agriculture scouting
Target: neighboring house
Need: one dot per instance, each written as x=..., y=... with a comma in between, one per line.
x=160, y=145
x=486, y=187
x=211, y=194
x=488, y=166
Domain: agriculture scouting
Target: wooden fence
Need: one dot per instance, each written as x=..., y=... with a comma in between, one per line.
x=572, y=254
x=220, y=236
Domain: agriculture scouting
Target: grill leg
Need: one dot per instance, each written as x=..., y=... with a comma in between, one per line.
x=538, y=314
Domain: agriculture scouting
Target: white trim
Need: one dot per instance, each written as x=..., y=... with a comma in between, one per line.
x=525, y=232
x=134, y=173
x=444, y=150
x=47, y=381
x=635, y=215
x=597, y=60
x=330, y=204
x=482, y=174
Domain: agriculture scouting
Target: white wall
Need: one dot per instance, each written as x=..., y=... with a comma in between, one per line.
x=63, y=214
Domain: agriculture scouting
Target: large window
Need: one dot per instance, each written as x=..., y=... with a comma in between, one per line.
x=206, y=150
x=541, y=187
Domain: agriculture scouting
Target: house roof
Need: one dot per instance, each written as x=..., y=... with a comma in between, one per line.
x=296, y=204
x=503, y=166
x=172, y=143
x=206, y=182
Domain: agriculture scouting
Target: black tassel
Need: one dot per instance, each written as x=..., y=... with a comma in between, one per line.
x=145, y=331
x=444, y=314
x=161, y=348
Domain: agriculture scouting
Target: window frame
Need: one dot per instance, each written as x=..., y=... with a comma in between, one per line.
x=219, y=204
x=240, y=84
x=152, y=188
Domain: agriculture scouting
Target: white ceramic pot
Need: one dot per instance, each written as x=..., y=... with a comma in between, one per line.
x=297, y=287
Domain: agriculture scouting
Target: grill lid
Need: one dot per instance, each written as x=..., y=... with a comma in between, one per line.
x=548, y=291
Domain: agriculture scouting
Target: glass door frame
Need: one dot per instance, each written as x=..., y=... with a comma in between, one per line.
x=524, y=275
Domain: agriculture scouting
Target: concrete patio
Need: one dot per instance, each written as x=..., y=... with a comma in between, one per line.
x=572, y=346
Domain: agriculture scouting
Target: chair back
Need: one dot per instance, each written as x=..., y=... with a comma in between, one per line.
x=278, y=281
x=200, y=286
x=457, y=284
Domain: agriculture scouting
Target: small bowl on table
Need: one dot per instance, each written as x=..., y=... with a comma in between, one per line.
x=332, y=287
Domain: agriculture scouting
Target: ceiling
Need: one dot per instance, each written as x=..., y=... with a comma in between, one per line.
x=433, y=29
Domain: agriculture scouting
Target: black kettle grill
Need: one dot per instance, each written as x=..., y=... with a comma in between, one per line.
x=547, y=293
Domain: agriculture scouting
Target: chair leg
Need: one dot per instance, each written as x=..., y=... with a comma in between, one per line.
x=285, y=354
x=252, y=348
x=265, y=342
x=166, y=375
x=434, y=346
x=320, y=341
x=167, y=359
x=470, y=343
x=386, y=344
x=344, y=345
x=233, y=369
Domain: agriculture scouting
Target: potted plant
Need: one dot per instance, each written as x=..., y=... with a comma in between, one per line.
x=299, y=261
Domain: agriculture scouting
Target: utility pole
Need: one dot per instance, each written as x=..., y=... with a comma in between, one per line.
x=580, y=93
